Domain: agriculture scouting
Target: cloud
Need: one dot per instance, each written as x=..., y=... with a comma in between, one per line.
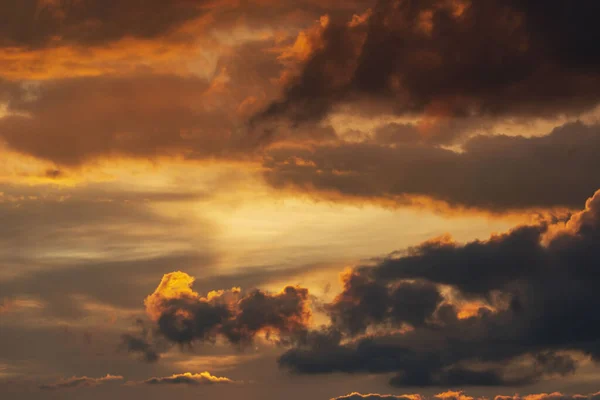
x=366, y=302
x=41, y=23
x=183, y=316
x=187, y=378
x=86, y=237
x=83, y=381
x=450, y=395
x=539, y=285
x=141, y=112
x=457, y=58
x=551, y=396
x=48, y=23
x=373, y=396
x=497, y=173
x=140, y=345
x=142, y=115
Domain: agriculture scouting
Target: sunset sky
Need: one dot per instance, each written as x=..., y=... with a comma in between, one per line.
x=300, y=199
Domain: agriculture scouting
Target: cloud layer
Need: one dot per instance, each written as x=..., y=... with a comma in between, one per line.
x=462, y=396
x=497, y=173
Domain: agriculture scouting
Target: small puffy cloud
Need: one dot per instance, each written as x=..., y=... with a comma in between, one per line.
x=82, y=381
x=373, y=396
x=188, y=378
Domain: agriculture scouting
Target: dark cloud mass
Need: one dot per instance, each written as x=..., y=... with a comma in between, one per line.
x=534, y=290
x=454, y=58
x=495, y=173
x=182, y=316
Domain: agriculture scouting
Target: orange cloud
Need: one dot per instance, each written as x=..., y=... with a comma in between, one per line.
x=184, y=316
x=174, y=285
x=188, y=378
x=450, y=395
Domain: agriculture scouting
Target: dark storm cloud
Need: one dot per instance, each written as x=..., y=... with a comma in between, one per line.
x=454, y=58
x=365, y=302
x=82, y=381
x=536, y=287
x=496, y=173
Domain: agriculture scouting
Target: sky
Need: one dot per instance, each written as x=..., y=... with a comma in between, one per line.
x=299, y=199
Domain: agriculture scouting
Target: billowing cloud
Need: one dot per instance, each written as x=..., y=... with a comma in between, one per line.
x=184, y=316
x=497, y=173
x=456, y=58
x=188, y=378
x=82, y=381
x=538, y=284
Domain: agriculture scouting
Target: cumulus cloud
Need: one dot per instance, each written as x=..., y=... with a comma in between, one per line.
x=458, y=58
x=184, y=316
x=536, y=286
x=188, y=378
x=82, y=381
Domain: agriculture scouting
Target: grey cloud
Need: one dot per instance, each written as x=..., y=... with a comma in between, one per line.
x=539, y=283
x=461, y=59
x=497, y=173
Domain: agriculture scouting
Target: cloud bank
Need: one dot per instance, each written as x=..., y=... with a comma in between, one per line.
x=515, y=309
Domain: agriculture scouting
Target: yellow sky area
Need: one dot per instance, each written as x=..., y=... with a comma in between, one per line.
x=227, y=209
x=258, y=225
